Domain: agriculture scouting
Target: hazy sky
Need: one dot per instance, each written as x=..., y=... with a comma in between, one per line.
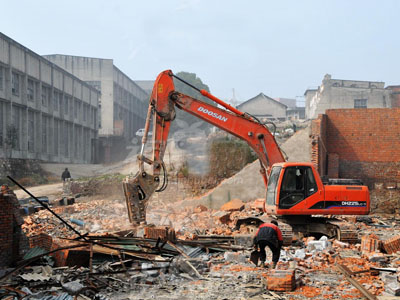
x=280, y=48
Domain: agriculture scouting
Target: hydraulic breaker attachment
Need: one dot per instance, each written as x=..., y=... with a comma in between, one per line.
x=138, y=190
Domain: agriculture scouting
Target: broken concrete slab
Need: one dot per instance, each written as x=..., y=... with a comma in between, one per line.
x=245, y=240
x=233, y=205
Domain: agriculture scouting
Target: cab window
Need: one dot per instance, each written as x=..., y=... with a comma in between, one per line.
x=297, y=184
x=272, y=183
x=311, y=184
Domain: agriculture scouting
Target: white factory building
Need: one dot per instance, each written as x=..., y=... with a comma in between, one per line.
x=46, y=113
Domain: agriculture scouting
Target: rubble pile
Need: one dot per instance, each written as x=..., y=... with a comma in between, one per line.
x=202, y=220
x=385, y=198
x=97, y=216
x=195, y=252
x=104, y=185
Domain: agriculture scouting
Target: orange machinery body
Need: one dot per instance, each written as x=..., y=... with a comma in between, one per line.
x=321, y=200
x=292, y=188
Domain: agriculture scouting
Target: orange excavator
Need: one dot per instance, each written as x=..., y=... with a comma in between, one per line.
x=295, y=192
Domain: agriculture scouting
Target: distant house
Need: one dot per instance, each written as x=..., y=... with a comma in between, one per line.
x=339, y=93
x=290, y=103
x=264, y=108
x=293, y=111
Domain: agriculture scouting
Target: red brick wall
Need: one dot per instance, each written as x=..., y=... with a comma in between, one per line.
x=367, y=142
x=318, y=148
x=333, y=165
x=41, y=240
x=6, y=230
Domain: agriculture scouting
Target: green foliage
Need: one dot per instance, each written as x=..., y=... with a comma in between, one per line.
x=228, y=156
x=184, y=170
x=187, y=90
x=193, y=80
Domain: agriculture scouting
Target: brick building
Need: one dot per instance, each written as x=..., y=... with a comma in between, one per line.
x=358, y=143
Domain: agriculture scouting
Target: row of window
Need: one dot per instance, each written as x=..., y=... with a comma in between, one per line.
x=129, y=101
x=58, y=101
x=56, y=136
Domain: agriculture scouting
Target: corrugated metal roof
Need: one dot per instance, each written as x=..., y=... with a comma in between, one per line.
x=34, y=252
x=62, y=296
x=34, y=277
x=193, y=251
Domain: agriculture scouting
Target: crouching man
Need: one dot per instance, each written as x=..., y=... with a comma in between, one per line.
x=269, y=234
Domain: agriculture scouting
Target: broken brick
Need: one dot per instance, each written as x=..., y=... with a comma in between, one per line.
x=370, y=243
x=281, y=280
x=61, y=256
x=161, y=232
x=41, y=240
x=233, y=205
x=392, y=245
x=200, y=209
x=259, y=204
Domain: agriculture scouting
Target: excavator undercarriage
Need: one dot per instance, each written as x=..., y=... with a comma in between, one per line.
x=305, y=226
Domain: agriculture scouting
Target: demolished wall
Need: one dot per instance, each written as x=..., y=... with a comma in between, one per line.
x=12, y=241
x=6, y=228
x=366, y=142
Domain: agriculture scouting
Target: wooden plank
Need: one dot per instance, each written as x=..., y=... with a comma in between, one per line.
x=355, y=283
x=146, y=256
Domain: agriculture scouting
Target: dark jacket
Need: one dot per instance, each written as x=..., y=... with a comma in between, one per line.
x=269, y=232
x=65, y=175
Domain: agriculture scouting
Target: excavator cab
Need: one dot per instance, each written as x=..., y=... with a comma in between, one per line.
x=290, y=185
x=296, y=189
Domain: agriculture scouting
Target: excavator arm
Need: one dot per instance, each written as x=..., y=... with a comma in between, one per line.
x=163, y=100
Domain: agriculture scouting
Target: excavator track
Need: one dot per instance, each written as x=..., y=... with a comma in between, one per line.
x=332, y=228
x=253, y=222
x=345, y=231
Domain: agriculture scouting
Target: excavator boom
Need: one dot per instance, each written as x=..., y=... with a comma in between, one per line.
x=163, y=100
